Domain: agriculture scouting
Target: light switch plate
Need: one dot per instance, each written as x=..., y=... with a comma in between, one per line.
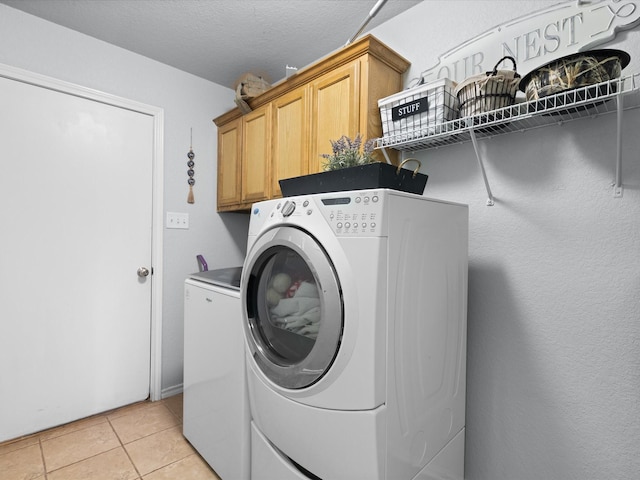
x=177, y=220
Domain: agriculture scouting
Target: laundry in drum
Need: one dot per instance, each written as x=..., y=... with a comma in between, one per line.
x=294, y=304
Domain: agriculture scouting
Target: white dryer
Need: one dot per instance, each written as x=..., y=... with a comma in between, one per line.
x=354, y=307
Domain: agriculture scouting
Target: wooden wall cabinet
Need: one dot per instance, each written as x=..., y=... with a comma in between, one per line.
x=292, y=123
x=335, y=110
x=290, y=153
x=229, y=174
x=255, y=155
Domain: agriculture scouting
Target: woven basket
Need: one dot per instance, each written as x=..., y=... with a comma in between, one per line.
x=488, y=91
x=574, y=71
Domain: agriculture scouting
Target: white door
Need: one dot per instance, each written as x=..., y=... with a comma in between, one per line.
x=76, y=214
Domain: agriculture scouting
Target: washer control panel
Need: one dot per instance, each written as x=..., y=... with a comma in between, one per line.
x=353, y=213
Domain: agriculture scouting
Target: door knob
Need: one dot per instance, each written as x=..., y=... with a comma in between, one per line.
x=143, y=272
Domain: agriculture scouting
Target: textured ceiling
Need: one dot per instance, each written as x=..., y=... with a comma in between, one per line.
x=219, y=39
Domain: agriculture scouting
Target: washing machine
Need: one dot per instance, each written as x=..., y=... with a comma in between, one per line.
x=354, y=312
x=216, y=404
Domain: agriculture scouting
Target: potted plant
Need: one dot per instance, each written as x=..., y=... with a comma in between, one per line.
x=348, y=153
x=351, y=166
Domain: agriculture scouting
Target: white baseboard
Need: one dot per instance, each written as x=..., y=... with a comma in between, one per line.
x=171, y=391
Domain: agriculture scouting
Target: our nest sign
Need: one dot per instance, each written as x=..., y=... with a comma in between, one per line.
x=538, y=38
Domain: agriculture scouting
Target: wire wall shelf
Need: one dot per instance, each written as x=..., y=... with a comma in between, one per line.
x=590, y=101
x=584, y=102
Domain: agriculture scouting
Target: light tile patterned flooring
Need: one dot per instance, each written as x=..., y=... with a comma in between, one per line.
x=140, y=441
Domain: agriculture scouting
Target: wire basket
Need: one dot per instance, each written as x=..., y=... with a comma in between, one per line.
x=488, y=91
x=416, y=112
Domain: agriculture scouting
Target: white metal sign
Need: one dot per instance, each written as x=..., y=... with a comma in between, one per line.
x=538, y=38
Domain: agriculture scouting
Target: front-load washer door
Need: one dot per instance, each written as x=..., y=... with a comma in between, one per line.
x=292, y=306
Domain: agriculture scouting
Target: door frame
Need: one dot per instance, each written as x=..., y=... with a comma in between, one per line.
x=25, y=76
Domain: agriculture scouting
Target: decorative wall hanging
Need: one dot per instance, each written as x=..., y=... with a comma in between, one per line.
x=538, y=38
x=190, y=171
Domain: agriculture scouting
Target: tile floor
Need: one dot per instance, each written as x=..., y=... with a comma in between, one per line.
x=140, y=441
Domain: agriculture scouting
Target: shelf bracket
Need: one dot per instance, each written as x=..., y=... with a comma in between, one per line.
x=617, y=186
x=386, y=156
x=474, y=140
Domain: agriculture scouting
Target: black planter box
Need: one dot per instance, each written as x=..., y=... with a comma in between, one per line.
x=372, y=175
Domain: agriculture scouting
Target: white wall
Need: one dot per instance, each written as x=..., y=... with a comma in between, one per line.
x=36, y=45
x=554, y=315
x=554, y=310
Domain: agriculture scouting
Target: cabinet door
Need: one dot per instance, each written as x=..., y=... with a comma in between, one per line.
x=290, y=137
x=229, y=148
x=334, y=110
x=256, y=155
